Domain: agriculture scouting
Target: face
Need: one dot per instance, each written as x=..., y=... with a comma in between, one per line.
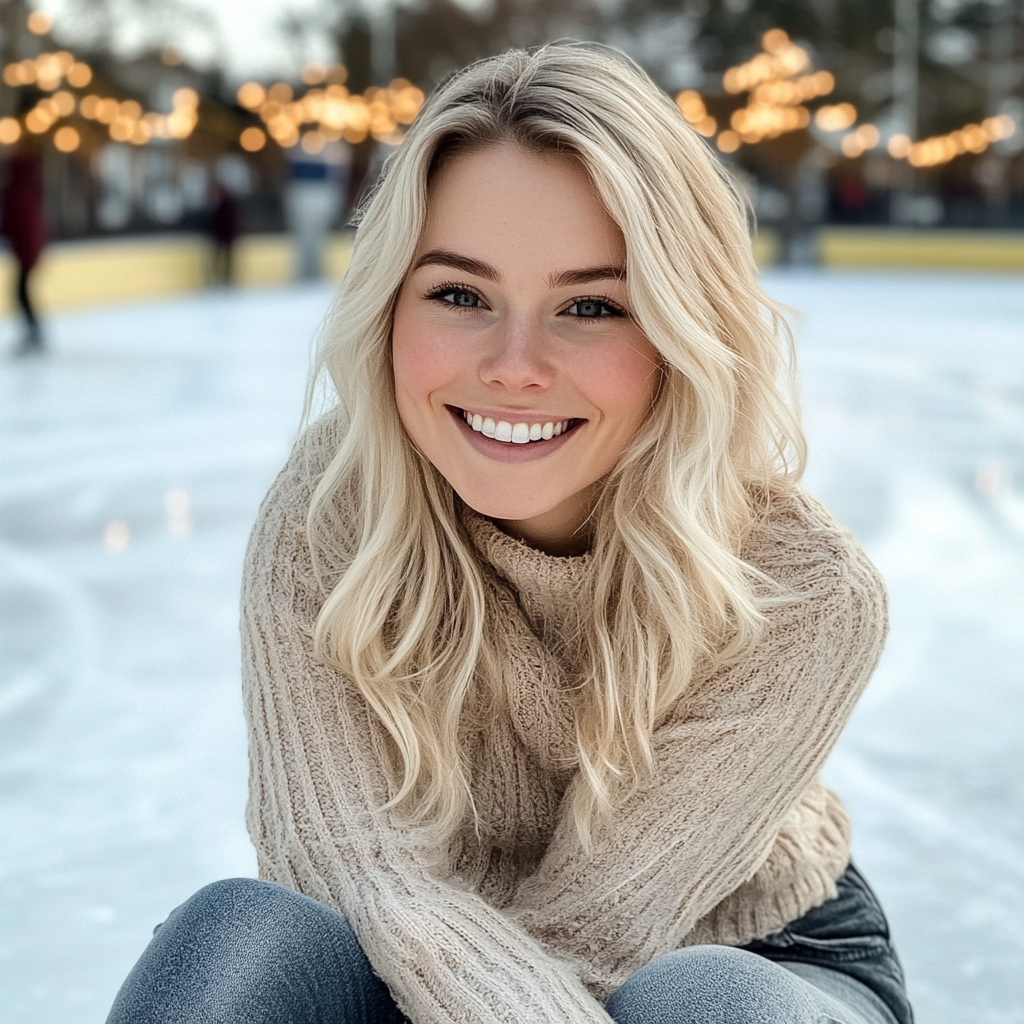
x=518, y=371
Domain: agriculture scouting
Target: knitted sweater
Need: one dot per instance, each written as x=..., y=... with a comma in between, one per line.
x=731, y=837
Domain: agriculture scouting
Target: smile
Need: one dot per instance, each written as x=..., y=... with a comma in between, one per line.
x=516, y=433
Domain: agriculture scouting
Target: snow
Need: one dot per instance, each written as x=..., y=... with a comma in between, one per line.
x=132, y=461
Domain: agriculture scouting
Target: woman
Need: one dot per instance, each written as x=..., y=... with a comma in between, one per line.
x=543, y=646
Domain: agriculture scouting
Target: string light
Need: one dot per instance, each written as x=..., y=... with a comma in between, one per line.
x=10, y=131
x=972, y=138
x=66, y=139
x=39, y=23
x=779, y=81
x=333, y=112
x=314, y=73
x=836, y=117
x=326, y=113
x=899, y=146
x=252, y=140
x=691, y=106
x=46, y=71
x=866, y=137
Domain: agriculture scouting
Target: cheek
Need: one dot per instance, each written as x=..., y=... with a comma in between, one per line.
x=624, y=384
x=422, y=362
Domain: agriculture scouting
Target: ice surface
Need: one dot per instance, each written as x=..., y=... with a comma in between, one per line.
x=132, y=461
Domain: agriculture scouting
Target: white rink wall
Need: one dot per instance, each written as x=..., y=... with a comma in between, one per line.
x=132, y=461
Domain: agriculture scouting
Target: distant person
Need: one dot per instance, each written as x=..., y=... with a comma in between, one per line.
x=544, y=646
x=224, y=228
x=24, y=224
x=313, y=200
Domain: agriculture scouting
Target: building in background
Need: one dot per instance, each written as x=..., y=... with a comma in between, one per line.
x=871, y=112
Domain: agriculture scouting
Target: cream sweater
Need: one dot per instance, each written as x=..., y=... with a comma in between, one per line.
x=729, y=839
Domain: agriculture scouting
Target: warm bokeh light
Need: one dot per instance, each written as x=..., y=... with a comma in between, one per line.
x=251, y=95
x=106, y=111
x=79, y=75
x=899, y=146
x=784, y=60
x=66, y=139
x=728, y=141
x=836, y=118
x=37, y=122
x=186, y=98
x=972, y=138
x=252, y=140
x=280, y=92
x=313, y=143
x=866, y=137
x=10, y=131
x=65, y=103
x=314, y=73
x=39, y=23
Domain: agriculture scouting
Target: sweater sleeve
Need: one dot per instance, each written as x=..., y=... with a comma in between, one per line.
x=732, y=762
x=316, y=788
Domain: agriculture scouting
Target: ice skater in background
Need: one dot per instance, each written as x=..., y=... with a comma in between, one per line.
x=24, y=224
x=224, y=229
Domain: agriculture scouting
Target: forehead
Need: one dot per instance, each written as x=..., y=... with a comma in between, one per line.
x=504, y=198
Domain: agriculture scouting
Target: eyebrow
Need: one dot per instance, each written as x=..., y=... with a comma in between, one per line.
x=468, y=265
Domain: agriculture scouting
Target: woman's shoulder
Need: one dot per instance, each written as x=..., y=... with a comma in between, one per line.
x=798, y=544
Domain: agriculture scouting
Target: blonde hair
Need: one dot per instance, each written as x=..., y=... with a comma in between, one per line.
x=407, y=619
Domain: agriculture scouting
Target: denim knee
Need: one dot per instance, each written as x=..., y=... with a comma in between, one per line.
x=248, y=950
x=711, y=985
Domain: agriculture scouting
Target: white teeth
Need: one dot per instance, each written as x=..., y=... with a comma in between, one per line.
x=514, y=433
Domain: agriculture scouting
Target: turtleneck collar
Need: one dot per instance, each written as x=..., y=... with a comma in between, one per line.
x=547, y=586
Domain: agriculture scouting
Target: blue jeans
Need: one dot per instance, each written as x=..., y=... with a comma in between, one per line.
x=244, y=951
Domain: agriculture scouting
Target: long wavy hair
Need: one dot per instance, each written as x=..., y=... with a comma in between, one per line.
x=409, y=617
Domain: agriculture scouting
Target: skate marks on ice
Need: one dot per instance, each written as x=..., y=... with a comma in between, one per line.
x=132, y=461
x=171, y=419
x=914, y=403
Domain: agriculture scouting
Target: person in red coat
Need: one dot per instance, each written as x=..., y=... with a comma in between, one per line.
x=24, y=224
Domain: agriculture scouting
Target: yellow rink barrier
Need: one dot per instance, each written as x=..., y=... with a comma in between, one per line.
x=76, y=274
x=923, y=249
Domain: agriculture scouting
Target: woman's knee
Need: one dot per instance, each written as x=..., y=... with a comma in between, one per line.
x=245, y=950
x=710, y=985
x=256, y=917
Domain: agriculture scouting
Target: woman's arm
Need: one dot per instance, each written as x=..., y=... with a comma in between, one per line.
x=731, y=764
x=315, y=790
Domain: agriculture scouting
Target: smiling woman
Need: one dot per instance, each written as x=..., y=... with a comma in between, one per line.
x=543, y=646
x=488, y=363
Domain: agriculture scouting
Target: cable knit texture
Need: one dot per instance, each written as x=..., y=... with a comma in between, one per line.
x=731, y=837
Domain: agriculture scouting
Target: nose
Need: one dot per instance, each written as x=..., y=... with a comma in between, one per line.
x=518, y=358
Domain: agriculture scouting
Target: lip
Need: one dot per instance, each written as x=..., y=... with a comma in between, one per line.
x=503, y=451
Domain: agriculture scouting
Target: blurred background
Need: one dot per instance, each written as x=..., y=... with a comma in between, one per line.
x=176, y=183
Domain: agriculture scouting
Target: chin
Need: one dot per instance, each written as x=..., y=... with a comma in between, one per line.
x=503, y=506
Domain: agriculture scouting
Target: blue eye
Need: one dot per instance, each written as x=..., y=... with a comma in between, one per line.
x=592, y=309
x=461, y=298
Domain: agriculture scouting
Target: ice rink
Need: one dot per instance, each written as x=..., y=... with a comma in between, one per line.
x=132, y=461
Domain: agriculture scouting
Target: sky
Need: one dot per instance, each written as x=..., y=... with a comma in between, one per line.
x=252, y=43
